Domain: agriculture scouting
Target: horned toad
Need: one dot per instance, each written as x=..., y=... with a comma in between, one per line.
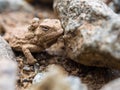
x=40, y=35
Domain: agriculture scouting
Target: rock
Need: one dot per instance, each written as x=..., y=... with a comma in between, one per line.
x=14, y=5
x=73, y=13
x=38, y=78
x=5, y=50
x=56, y=79
x=75, y=83
x=51, y=69
x=113, y=85
x=92, y=32
x=8, y=70
x=8, y=67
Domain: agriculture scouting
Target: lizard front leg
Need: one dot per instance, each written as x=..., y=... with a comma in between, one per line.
x=28, y=55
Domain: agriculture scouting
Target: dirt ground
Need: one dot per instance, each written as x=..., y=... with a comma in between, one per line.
x=94, y=77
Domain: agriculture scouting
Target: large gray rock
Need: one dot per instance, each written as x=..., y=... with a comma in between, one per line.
x=5, y=50
x=8, y=67
x=92, y=32
x=73, y=13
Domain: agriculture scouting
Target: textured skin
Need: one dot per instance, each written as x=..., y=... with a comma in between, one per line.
x=41, y=35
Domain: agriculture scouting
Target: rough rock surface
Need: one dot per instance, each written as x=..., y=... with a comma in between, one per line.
x=5, y=50
x=8, y=67
x=74, y=12
x=93, y=31
x=114, y=85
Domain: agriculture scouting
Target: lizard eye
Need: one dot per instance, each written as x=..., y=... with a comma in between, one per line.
x=44, y=28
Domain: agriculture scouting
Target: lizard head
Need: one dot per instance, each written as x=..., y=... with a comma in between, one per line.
x=49, y=31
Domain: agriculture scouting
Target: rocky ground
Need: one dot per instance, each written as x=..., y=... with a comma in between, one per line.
x=15, y=23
